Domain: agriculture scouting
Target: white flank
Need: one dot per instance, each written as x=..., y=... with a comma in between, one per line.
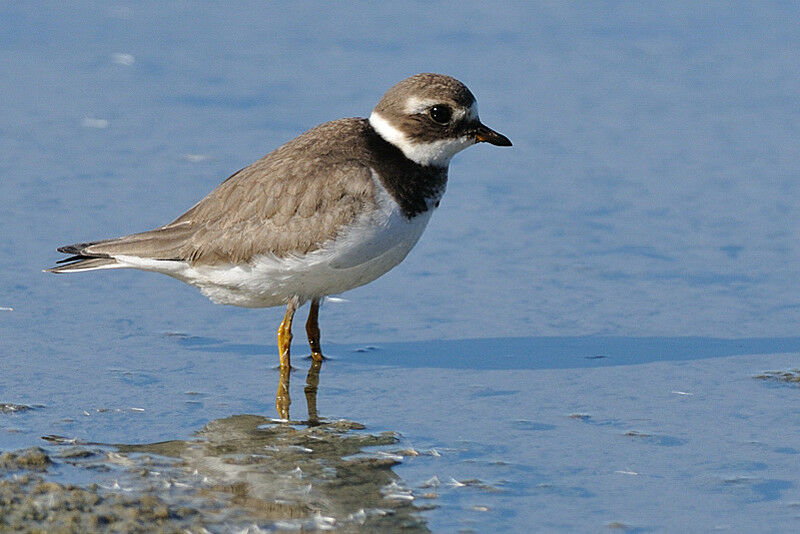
x=374, y=243
x=436, y=153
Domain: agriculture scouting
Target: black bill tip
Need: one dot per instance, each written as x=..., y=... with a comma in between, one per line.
x=484, y=134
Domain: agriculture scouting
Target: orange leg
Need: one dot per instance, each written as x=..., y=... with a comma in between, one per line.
x=285, y=334
x=312, y=329
x=282, y=399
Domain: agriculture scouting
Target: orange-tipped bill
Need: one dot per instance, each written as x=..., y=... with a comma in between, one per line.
x=484, y=134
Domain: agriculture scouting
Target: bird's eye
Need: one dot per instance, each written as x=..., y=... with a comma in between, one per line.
x=440, y=114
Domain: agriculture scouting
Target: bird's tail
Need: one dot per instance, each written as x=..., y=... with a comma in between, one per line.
x=168, y=244
x=81, y=262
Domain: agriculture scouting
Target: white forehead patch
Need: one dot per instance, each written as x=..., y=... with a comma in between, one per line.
x=436, y=153
x=415, y=105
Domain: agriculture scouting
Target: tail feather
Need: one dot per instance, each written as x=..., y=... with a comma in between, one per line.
x=76, y=249
x=165, y=243
x=84, y=263
x=71, y=259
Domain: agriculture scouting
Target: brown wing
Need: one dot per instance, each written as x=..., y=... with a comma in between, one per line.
x=288, y=203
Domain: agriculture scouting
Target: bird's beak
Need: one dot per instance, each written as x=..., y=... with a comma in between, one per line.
x=484, y=134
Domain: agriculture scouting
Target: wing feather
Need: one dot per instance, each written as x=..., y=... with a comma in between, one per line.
x=289, y=202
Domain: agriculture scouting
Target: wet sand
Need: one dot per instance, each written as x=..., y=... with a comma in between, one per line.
x=244, y=473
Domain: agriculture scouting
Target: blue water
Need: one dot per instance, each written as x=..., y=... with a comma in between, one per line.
x=651, y=196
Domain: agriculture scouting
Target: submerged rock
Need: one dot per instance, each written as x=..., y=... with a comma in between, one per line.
x=789, y=377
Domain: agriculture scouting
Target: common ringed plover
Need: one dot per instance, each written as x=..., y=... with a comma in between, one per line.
x=331, y=210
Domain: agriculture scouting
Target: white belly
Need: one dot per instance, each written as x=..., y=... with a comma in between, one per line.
x=375, y=243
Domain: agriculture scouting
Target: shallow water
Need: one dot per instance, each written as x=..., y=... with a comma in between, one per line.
x=541, y=365
x=563, y=433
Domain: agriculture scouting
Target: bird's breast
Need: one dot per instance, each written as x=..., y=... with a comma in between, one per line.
x=385, y=232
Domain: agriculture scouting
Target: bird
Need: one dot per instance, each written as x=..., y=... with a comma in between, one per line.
x=329, y=211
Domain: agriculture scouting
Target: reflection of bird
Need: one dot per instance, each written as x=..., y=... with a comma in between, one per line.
x=234, y=472
x=328, y=211
x=283, y=400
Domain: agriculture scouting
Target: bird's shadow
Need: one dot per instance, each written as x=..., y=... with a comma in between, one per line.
x=511, y=353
